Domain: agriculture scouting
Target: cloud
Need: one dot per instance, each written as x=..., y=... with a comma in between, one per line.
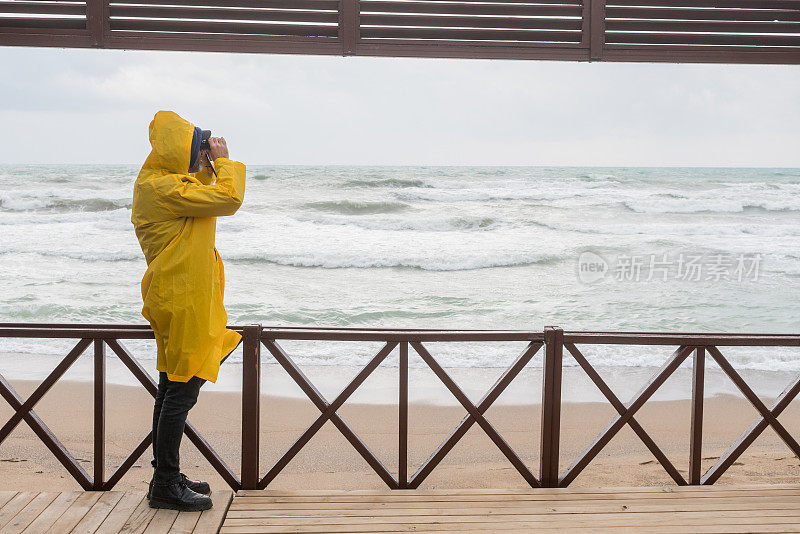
x=93, y=106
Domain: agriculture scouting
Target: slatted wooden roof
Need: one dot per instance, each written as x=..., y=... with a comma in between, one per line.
x=728, y=31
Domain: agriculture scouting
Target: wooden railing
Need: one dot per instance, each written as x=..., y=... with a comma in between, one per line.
x=729, y=31
x=553, y=339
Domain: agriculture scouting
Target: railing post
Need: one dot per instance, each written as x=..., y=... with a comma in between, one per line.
x=402, y=427
x=696, y=433
x=251, y=404
x=551, y=406
x=98, y=481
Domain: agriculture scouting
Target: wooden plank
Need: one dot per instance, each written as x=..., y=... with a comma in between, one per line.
x=15, y=505
x=493, y=526
x=700, y=14
x=76, y=512
x=278, y=44
x=681, y=338
x=744, y=4
x=580, y=519
x=244, y=28
x=211, y=520
x=331, y=5
x=446, y=508
x=120, y=514
x=185, y=523
x=28, y=514
x=98, y=513
x=683, y=26
x=30, y=8
x=691, y=490
x=554, y=508
x=240, y=502
x=678, y=54
x=469, y=21
x=452, y=508
x=600, y=505
x=49, y=23
x=6, y=496
x=511, y=498
x=53, y=512
x=690, y=40
x=717, y=527
x=543, y=3
x=139, y=518
x=404, y=334
x=382, y=6
x=162, y=521
x=468, y=34
x=222, y=14
x=253, y=504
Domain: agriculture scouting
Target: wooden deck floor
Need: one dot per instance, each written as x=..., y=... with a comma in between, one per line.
x=709, y=509
x=103, y=512
x=663, y=510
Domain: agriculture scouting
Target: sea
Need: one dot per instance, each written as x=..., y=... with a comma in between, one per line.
x=601, y=249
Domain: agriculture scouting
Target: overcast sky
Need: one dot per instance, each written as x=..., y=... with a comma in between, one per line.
x=94, y=106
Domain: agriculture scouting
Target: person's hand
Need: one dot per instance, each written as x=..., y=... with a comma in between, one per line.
x=219, y=149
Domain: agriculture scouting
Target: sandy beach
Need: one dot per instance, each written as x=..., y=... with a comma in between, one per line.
x=328, y=461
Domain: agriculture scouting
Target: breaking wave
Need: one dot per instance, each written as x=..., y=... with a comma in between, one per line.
x=62, y=205
x=387, y=182
x=719, y=205
x=355, y=207
x=423, y=262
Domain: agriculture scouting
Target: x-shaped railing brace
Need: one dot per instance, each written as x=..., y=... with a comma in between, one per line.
x=622, y=410
x=328, y=413
x=24, y=411
x=769, y=417
x=475, y=414
x=626, y=414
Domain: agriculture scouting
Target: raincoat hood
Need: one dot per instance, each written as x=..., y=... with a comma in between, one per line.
x=171, y=139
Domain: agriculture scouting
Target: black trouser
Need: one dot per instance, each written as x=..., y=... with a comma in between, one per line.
x=173, y=402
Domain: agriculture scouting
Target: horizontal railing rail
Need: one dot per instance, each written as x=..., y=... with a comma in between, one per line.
x=554, y=343
x=727, y=31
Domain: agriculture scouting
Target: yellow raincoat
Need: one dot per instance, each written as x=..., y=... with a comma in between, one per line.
x=174, y=216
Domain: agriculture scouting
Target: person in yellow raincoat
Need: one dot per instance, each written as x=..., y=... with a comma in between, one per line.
x=176, y=201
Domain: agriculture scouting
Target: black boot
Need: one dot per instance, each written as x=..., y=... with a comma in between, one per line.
x=198, y=486
x=179, y=497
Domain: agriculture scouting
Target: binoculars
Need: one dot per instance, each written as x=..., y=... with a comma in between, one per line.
x=204, y=137
x=204, y=146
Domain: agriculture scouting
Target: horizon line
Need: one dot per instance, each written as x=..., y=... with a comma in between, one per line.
x=498, y=165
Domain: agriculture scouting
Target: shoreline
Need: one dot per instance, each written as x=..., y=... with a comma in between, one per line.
x=381, y=387
x=328, y=461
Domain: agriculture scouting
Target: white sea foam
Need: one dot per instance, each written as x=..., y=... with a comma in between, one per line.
x=422, y=247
